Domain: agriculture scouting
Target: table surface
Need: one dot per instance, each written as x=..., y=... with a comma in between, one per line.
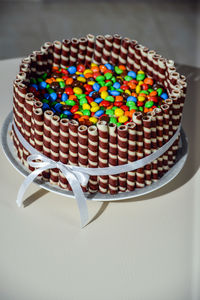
x=145, y=248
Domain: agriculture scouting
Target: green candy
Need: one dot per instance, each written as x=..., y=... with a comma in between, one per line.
x=119, y=90
x=140, y=77
x=149, y=104
x=112, y=88
x=130, y=103
x=150, y=90
x=114, y=107
x=141, y=108
x=108, y=75
x=102, y=83
x=109, y=83
x=113, y=79
x=53, y=103
x=44, y=76
x=33, y=80
x=39, y=79
x=86, y=112
x=110, y=98
x=50, y=90
x=61, y=116
x=118, y=124
x=62, y=84
x=83, y=100
x=113, y=120
x=48, y=86
x=70, y=102
x=128, y=78
x=81, y=96
x=144, y=92
x=100, y=78
x=65, y=116
x=118, y=70
x=109, y=112
x=45, y=101
x=159, y=91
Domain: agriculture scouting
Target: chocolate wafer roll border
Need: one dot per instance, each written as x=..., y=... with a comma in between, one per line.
x=112, y=154
x=146, y=120
x=54, y=147
x=131, y=154
x=93, y=152
x=122, y=138
x=64, y=150
x=83, y=148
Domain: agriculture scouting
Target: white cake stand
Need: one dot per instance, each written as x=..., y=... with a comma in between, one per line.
x=10, y=153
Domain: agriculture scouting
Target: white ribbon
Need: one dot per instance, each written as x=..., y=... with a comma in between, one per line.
x=77, y=176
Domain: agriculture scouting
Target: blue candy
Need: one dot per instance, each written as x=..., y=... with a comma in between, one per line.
x=132, y=98
x=164, y=96
x=42, y=85
x=53, y=96
x=67, y=112
x=116, y=85
x=90, y=94
x=99, y=113
x=64, y=97
x=58, y=106
x=96, y=87
x=98, y=100
x=109, y=66
x=132, y=74
x=46, y=96
x=35, y=86
x=45, y=106
x=71, y=70
x=114, y=93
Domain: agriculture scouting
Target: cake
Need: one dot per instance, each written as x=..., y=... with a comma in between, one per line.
x=98, y=102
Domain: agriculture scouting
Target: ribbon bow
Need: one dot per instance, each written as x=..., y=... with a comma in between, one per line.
x=74, y=177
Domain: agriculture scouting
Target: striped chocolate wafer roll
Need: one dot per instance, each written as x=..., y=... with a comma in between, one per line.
x=57, y=45
x=33, y=64
x=147, y=147
x=176, y=117
x=131, y=155
x=38, y=117
x=83, y=148
x=155, y=70
x=65, y=53
x=122, y=137
x=63, y=150
x=159, y=134
x=165, y=108
x=124, y=51
x=21, y=90
x=150, y=66
x=107, y=48
x=49, y=47
x=46, y=50
x=161, y=69
x=113, y=179
x=143, y=53
x=93, y=156
x=100, y=40
x=138, y=57
x=47, y=139
x=89, y=49
x=39, y=62
x=169, y=151
x=73, y=142
x=103, y=154
x=131, y=55
x=115, y=49
x=73, y=51
x=54, y=150
x=82, y=50
x=137, y=119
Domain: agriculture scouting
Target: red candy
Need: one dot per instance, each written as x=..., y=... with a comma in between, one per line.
x=153, y=98
x=69, y=91
x=124, y=107
x=74, y=109
x=81, y=68
x=118, y=103
x=140, y=103
x=105, y=103
x=88, y=88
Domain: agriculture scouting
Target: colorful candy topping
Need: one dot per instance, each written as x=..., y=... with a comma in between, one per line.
x=101, y=92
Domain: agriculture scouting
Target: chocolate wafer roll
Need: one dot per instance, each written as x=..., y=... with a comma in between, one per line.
x=49, y=47
x=103, y=154
x=150, y=65
x=143, y=53
x=122, y=137
x=137, y=119
x=89, y=49
x=159, y=133
x=93, y=156
x=82, y=50
x=115, y=49
x=131, y=55
x=65, y=53
x=44, y=50
x=21, y=90
x=57, y=45
x=107, y=48
x=27, y=117
x=38, y=117
x=54, y=150
x=33, y=64
x=83, y=148
x=147, y=147
x=155, y=59
x=73, y=142
x=165, y=109
x=154, y=164
x=182, y=82
x=124, y=51
x=100, y=40
x=64, y=150
x=176, y=117
x=47, y=139
x=113, y=179
x=39, y=62
x=131, y=155
x=170, y=152
x=138, y=57
x=161, y=69
x=73, y=51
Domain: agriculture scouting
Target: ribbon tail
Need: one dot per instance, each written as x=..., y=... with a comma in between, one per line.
x=28, y=180
x=80, y=198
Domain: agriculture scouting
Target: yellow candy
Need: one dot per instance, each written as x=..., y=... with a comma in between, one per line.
x=104, y=94
x=87, y=71
x=141, y=98
x=91, y=82
x=94, y=108
x=138, y=89
x=119, y=112
x=122, y=119
x=79, y=113
x=62, y=102
x=93, y=120
x=78, y=73
x=140, y=82
x=86, y=106
x=93, y=104
x=140, y=72
x=77, y=91
x=81, y=79
x=59, y=79
x=93, y=65
x=128, y=92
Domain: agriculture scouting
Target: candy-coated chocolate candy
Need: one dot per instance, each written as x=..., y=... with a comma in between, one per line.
x=96, y=87
x=100, y=78
x=137, y=89
x=64, y=97
x=105, y=103
x=62, y=84
x=124, y=107
x=132, y=74
x=149, y=104
x=164, y=96
x=110, y=98
x=128, y=78
x=70, y=102
x=104, y=94
x=118, y=70
x=81, y=68
x=132, y=98
x=53, y=96
x=81, y=79
x=86, y=106
x=83, y=100
x=45, y=106
x=109, y=112
x=72, y=70
x=159, y=91
x=118, y=103
x=140, y=76
x=74, y=109
x=114, y=93
x=99, y=113
x=86, y=112
x=69, y=91
x=42, y=85
x=113, y=120
x=116, y=85
x=77, y=90
x=93, y=104
x=67, y=113
x=98, y=100
x=93, y=120
x=108, y=75
x=119, y=112
x=141, y=98
x=153, y=98
x=94, y=108
x=122, y=119
x=109, y=66
x=88, y=88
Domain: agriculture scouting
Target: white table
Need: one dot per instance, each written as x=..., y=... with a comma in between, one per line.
x=144, y=249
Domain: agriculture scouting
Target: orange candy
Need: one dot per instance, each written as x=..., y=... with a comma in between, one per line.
x=72, y=97
x=134, y=94
x=154, y=93
x=122, y=67
x=69, y=81
x=102, y=68
x=118, y=98
x=103, y=88
x=131, y=112
x=148, y=81
x=49, y=81
x=54, y=68
x=131, y=85
x=95, y=69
